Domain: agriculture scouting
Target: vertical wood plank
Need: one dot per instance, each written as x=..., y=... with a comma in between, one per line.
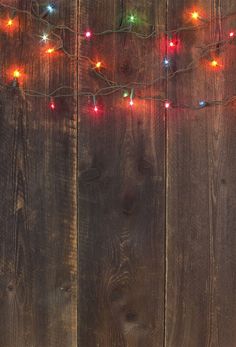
x=222, y=185
x=37, y=185
x=121, y=183
x=200, y=305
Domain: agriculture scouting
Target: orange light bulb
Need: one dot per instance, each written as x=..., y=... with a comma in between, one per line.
x=214, y=63
x=50, y=50
x=9, y=22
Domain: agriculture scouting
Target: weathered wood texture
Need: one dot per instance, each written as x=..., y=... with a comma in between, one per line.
x=38, y=190
x=156, y=243
x=121, y=185
x=201, y=187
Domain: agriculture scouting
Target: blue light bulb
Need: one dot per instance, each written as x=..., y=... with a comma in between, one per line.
x=166, y=62
x=50, y=8
x=202, y=103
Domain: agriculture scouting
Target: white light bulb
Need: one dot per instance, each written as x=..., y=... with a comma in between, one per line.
x=45, y=37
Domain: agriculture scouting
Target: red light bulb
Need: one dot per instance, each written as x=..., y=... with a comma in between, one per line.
x=231, y=34
x=131, y=103
x=96, y=109
x=52, y=106
x=172, y=44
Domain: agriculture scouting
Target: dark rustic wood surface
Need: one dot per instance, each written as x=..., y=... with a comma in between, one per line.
x=201, y=147
x=121, y=187
x=38, y=192
x=154, y=190
x=201, y=167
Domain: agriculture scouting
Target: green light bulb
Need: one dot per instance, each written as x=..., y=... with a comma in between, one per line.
x=132, y=18
x=125, y=94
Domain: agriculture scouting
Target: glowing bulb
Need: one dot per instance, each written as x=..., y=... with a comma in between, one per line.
x=16, y=74
x=214, y=63
x=195, y=15
x=50, y=8
x=231, y=34
x=9, y=22
x=88, y=34
x=95, y=109
x=50, y=50
x=166, y=62
x=131, y=103
x=167, y=104
x=132, y=19
x=202, y=103
x=125, y=94
x=44, y=37
x=52, y=105
x=98, y=65
x=172, y=44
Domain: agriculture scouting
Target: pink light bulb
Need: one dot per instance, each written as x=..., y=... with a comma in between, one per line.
x=88, y=34
x=167, y=105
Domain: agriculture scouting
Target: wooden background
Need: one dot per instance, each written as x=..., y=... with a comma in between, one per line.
x=119, y=230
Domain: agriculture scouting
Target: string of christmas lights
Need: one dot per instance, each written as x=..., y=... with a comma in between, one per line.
x=54, y=43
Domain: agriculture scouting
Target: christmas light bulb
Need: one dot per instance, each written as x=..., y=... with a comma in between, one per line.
x=214, y=63
x=50, y=8
x=88, y=34
x=125, y=94
x=195, y=15
x=132, y=19
x=166, y=62
x=50, y=50
x=202, y=103
x=167, y=104
x=52, y=105
x=172, y=44
x=95, y=109
x=98, y=65
x=44, y=37
x=131, y=103
x=16, y=74
x=231, y=34
x=9, y=22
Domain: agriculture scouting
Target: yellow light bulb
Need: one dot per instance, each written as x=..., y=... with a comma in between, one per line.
x=10, y=22
x=195, y=15
x=50, y=50
x=98, y=65
x=16, y=74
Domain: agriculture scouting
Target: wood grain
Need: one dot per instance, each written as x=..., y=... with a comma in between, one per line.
x=156, y=189
x=121, y=187
x=200, y=305
x=38, y=191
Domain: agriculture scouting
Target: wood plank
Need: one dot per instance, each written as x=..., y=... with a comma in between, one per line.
x=121, y=184
x=200, y=306
x=38, y=187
